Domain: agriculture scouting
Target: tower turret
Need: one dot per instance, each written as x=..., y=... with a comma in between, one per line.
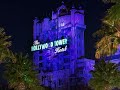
x=36, y=28
x=73, y=10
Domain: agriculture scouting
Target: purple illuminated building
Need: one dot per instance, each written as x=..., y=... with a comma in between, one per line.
x=65, y=68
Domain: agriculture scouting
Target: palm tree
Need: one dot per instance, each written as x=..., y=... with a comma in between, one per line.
x=20, y=75
x=5, y=53
x=113, y=15
x=109, y=39
x=106, y=76
x=109, y=34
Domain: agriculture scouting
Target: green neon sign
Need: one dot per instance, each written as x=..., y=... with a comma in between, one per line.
x=37, y=46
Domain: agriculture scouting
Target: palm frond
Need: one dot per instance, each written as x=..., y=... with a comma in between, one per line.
x=22, y=71
x=5, y=53
x=105, y=76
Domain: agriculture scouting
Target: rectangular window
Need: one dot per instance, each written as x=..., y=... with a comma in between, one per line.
x=66, y=60
x=40, y=65
x=40, y=58
x=40, y=51
x=80, y=69
x=66, y=53
x=60, y=82
x=67, y=66
x=39, y=71
x=37, y=37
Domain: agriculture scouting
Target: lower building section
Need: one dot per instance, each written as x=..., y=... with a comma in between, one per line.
x=57, y=80
x=66, y=79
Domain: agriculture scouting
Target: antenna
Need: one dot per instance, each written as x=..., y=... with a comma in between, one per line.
x=73, y=6
x=62, y=2
x=80, y=7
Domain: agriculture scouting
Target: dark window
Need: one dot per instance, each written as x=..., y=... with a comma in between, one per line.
x=37, y=37
x=60, y=82
x=40, y=65
x=63, y=46
x=62, y=37
x=42, y=78
x=40, y=51
x=66, y=60
x=40, y=58
x=69, y=40
x=67, y=66
x=39, y=71
x=80, y=69
x=48, y=40
x=79, y=36
x=66, y=53
x=68, y=45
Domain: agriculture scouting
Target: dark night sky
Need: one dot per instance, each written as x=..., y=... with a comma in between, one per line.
x=16, y=16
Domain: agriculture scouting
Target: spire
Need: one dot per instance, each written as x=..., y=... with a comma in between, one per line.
x=62, y=2
x=80, y=7
x=62, y=6
x=36, y=20
x=73, y=7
